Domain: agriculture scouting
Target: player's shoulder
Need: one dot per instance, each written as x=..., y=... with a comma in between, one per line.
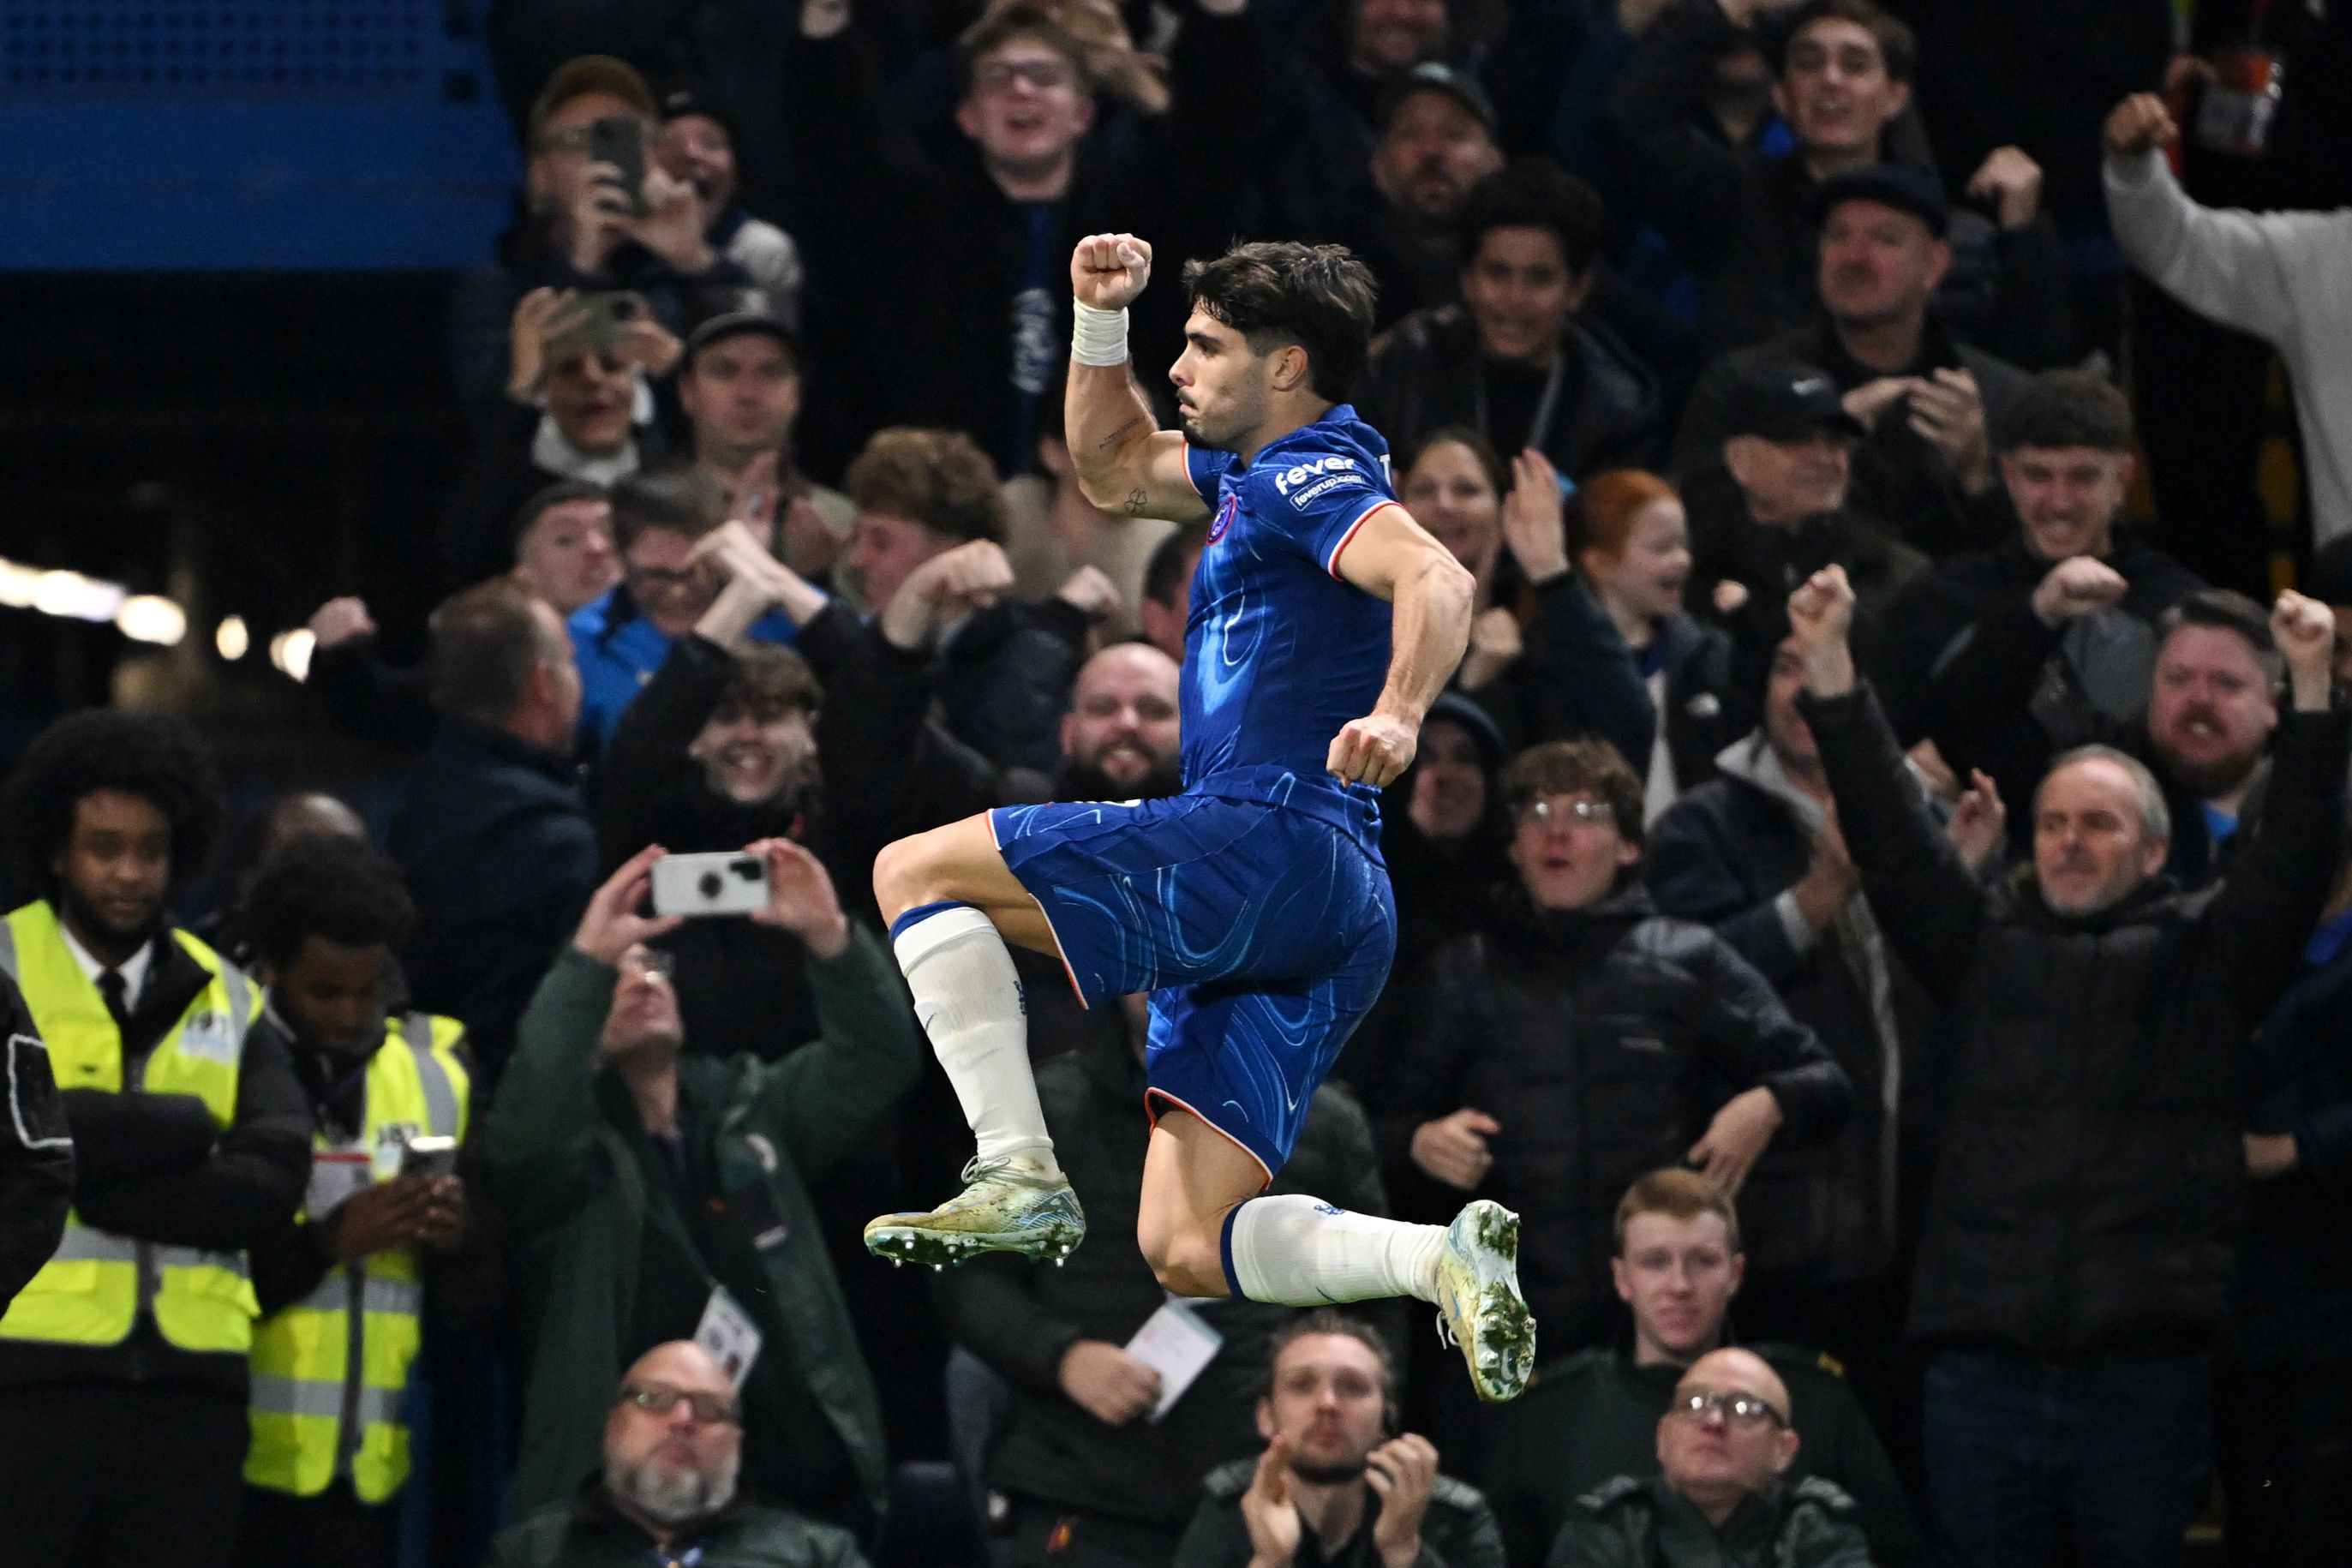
x=1317, y=464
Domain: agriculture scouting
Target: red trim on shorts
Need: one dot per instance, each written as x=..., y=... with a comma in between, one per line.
x=1332, y=565
x=1152, y=1112
x=1059, y=951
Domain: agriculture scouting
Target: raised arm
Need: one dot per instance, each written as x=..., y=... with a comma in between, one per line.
x=1393, y=558
x=1126, y=463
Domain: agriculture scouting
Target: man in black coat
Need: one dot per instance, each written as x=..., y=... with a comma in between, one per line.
x=938, y=284
x=1749, y=223
x=1519, y=359
x=2007, y=656
x=2077, y=1252
x=1094, y=1479
x=37, y=1157
x=491, y=834
x=1583, y=1040
x=1927, y=399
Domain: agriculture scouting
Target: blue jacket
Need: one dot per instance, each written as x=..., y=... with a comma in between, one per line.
x=618, y=650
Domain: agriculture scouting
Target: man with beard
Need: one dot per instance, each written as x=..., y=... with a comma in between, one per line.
x=1338, y=1483
x=673, y=1449
x=2077, y=1254
x=665, y=1192
x=123, y=1362
x=2212, y=706
x=1437, y=140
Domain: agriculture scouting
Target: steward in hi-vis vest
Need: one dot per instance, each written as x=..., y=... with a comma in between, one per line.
x=343, y=1291
x=123, y=1360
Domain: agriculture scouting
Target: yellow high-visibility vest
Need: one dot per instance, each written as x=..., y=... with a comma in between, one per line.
x=329, y=1370
x=94, y=1286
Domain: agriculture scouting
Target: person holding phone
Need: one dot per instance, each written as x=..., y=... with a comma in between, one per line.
x=342, y=1288
x=598, y=214
x=663, y=1195
x=1338, y=1483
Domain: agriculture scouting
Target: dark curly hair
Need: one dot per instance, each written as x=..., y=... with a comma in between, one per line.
x=151, y=755
x=330, y=887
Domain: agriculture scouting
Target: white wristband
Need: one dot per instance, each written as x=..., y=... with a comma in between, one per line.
x=1098, y=337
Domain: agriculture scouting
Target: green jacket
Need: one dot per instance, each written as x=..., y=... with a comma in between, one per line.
x=1458, y=1531
x=567, y=1158
x=585, y=1532
x=1634, y=1523
x=1593, y=1416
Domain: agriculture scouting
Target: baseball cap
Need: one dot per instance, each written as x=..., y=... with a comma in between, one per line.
x=1896, y=186
x=587, y=74
x=1434, y=76
x=679, y=102
x=748, y=310
x=1782, y=400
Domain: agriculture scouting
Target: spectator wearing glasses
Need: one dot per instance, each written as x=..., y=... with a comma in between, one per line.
x=1582, y=1040
x=1593, y=1416
x=1725, y=1446
x=972, y=341
x=673, y=1452
x=667, y=584
x=651, y=1190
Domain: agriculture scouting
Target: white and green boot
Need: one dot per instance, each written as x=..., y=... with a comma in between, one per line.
x=1004, y=1207
x=1478, y=1302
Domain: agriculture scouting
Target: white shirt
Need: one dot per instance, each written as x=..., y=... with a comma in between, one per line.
x=133, y=969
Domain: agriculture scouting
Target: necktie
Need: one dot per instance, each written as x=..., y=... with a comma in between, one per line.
x=117, y=993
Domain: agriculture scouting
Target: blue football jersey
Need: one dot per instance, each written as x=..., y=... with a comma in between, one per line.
x=1279, y=651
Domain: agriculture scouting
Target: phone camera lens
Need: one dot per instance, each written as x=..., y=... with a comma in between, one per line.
x=709, y=885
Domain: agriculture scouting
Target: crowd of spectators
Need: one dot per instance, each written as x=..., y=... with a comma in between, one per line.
x=1873, y=899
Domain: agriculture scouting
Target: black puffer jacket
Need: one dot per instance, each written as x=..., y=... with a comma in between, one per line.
x=1429, y=373
x=1602, y=1039
x=2086, y=1189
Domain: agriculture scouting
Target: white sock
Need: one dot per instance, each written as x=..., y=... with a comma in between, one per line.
x=1298, y=1251
x=969, y=999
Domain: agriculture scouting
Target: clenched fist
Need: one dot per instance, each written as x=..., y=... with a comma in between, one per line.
x=1109, y=271
x=1372, y=749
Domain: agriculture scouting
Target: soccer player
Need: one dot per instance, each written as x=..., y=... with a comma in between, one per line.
x=1255, y=906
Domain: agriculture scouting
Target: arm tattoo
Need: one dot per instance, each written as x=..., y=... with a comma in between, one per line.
x=1116, y=436
x=1137, y=501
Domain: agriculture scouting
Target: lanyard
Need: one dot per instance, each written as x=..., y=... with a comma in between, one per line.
x=1541, y=425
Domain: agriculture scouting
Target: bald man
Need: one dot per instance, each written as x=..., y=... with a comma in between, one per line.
x=673, y=1447
x=1118, y=738
x=1724, y=1447
x=305, y=814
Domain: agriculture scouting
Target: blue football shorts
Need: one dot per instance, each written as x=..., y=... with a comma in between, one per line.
x=1263, y=932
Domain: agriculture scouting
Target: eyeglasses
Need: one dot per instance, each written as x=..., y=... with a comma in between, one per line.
x=1043, y=75
x=661, y=576
x=1560, y=811
x=710, y=1409
x=1743, y=1410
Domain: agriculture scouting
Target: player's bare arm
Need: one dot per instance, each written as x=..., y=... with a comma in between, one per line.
x=1126, y=463
x=1393, y=558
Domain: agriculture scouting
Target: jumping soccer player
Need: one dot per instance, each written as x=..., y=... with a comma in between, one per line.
x=1254, y=906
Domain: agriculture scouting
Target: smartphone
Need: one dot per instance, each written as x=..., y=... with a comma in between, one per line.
x=726, y=883
x=429, y=1157
x=620, y=140
x=603, y=316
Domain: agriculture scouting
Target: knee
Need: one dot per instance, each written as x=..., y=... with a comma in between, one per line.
x=903, y=877
x=1185, y=1260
